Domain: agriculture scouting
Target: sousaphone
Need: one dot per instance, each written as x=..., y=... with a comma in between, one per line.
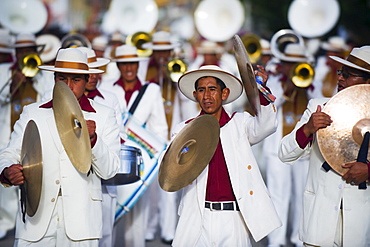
x=340, y=142
x=219, y=20
x=189, y=153
x=21, y=16
x=130, y=17
x=71, y=127
x=313, y=18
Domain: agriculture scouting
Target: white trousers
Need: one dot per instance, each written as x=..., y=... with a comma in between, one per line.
x=8, y=207
x=286, y=185
x=223, y=229
x=109, y=210
x=56, y=234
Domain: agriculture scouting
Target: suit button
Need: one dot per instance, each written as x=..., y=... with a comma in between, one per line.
x=57, y=182
x=53, y=200
x=249, y=167
x=251, y=192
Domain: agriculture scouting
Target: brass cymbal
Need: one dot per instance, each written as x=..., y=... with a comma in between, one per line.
x=189, y=153
x=340, y=142
x=31, y=155
x=72, y=127
x=247, y=76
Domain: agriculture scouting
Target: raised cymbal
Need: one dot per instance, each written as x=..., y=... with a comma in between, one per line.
x=247, y=76
x=72, y=127
x=340, y=142
x=189, y=153
x=31, y=155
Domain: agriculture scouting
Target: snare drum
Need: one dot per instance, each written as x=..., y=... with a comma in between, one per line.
x=130, y=169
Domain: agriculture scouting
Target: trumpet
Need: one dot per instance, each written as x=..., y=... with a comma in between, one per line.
x=138, y=39
x=253, y=47
x=302, y=75
x=176, y=68
x=28, y=66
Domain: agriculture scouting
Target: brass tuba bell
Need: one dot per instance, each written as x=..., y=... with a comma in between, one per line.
x=176, y=68
x=138, y=39
x=252, y=46
x=303, y=74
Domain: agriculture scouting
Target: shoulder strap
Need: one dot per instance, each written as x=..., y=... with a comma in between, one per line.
x=138, y=98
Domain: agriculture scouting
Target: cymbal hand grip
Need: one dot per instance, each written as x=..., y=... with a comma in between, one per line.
x=268, y=96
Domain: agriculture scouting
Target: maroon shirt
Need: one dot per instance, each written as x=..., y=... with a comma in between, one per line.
x=128, y=93
x=93, y=94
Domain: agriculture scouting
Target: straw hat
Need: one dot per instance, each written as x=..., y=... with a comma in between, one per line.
x=99, y=43
x=265, y=47
x=335, y=44
x=161, y=41
x=27, y=40
x=52, y=44
x=359, y=58
x=187, y=81
x=71, y=60
x=294, y=52
x=6, y=43
x=127, y=53
x=209, y=47
x=92, y=60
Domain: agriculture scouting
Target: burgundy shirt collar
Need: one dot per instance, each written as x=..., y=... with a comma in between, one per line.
x=93, y=94
x=84, y=104
x=128, y=93
x=224, y=119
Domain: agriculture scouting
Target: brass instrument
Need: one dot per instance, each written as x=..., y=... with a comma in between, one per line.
x=176, y=68
x=75, y=40
x=138, y=39
x=252, y=46
x=303, y=74
x=281, y=39
x=28, y=66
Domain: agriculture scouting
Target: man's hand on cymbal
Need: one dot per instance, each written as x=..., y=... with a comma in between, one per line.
x=356, y=174
x=14, y=174
x=318, y=120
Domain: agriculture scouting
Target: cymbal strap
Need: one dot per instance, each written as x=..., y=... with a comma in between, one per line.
x=362, y=156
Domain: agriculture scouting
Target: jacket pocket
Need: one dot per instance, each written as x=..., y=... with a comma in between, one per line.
x=96, y=195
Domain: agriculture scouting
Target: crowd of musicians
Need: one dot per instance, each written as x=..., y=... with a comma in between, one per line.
x=266, y=178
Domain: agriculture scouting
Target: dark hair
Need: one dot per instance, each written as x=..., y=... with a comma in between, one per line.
x=218, y=81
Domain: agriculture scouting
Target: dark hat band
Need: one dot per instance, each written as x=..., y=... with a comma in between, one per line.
x=71, y=65
x=358, y=62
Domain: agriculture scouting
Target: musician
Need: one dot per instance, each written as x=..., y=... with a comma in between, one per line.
x=11, y=103
x=335, y=210
x=69, y=211
x=163, y=52
x=8, y=197
x=108, y=99
x=286, y=183
x=326, y=68
x=149, y=112
x=228, y=202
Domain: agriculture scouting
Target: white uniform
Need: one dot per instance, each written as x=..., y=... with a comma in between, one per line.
x=285, y=183
x=77, y=212
x=109, y=192
x=257, y=214
x=9, y=197
x=150, y=112
x=324, y=194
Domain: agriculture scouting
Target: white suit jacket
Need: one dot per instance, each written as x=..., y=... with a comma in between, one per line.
x=324, y=193
x=81, y=194
x=250, y=191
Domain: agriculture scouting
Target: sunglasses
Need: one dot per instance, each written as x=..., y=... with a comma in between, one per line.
x=347, y=74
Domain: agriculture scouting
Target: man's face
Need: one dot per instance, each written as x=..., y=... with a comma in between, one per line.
x=349, y=77
x=93, y=82
x=210, y=59
x=128, y=70
x=209, y=95
x=23, y=51
x=76, y=82
x=162, y=56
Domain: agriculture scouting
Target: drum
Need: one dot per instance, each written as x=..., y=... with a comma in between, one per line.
x=130, y=169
